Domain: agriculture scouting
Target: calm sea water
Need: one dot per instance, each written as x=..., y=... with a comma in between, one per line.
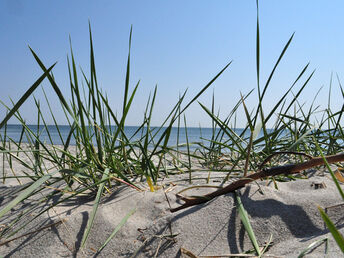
x=194, y=134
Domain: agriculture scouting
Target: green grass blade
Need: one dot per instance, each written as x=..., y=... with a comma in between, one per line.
x=299, y=92
x=334, y=231
x=258, y=49
x=52, y=82
x=78, y=192
x=312, y=246
x=246, y=221
x=276, y=64
x=118, y=227
x=285, y=95
x=329, y=168
x=188, y=149
x=95, y=207
x=26, y=95
x=247, y=114
x=26, y=193
x=127, y=76
x=205, y=87
x=227, y=130
x=53, y=117
x=301, y=138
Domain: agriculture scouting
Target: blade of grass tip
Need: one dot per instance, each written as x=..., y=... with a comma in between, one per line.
x=246, y=222
x=118, y=227
x=80, y=106
x=125, y=112
x=127, y=76
x=95, y=207
x=299, y=92
x=199, y=93
x=261, y=96
x=128, y=105
x=96, y=107
x=92, y=119
x=329, y=168
x=285, y=95
x=312, y=246
x=276, y=65
x=26, y=95
x=52, y=82
x=93, y=74
x=205, y=87
x=257, y=48
x=338, y=237
x=26, y=193
x=149, y=121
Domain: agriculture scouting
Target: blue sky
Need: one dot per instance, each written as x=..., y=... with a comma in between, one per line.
x=176, y=45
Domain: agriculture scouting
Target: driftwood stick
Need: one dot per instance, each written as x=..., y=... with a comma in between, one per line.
x=274, y=171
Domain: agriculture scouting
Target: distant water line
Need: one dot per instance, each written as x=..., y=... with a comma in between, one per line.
x=195, y=135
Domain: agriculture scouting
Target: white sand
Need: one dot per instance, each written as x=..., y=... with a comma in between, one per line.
x=289, y=214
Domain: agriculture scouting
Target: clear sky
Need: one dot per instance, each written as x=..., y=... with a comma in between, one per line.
x=176, y=45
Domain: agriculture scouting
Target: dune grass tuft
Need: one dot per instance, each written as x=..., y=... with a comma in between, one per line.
x=104, y=155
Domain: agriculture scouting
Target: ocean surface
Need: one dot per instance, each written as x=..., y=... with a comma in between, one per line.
x=59, y=135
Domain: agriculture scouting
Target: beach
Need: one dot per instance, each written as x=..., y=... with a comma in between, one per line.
x=286, y=218
x=191, y=137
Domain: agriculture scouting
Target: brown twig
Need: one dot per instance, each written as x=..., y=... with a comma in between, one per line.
x=274, y=171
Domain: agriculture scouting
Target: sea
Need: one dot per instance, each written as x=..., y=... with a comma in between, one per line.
x=58, y=135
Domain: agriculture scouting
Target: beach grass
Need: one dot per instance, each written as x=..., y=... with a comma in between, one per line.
x=104, y=156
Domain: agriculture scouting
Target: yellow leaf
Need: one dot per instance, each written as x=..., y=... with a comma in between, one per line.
x=339, y=176
x=149, y=181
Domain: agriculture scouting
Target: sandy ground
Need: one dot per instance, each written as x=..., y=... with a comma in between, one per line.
x=289, y=215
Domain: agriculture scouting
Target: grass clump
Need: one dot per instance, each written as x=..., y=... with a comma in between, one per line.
x=104, y=154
